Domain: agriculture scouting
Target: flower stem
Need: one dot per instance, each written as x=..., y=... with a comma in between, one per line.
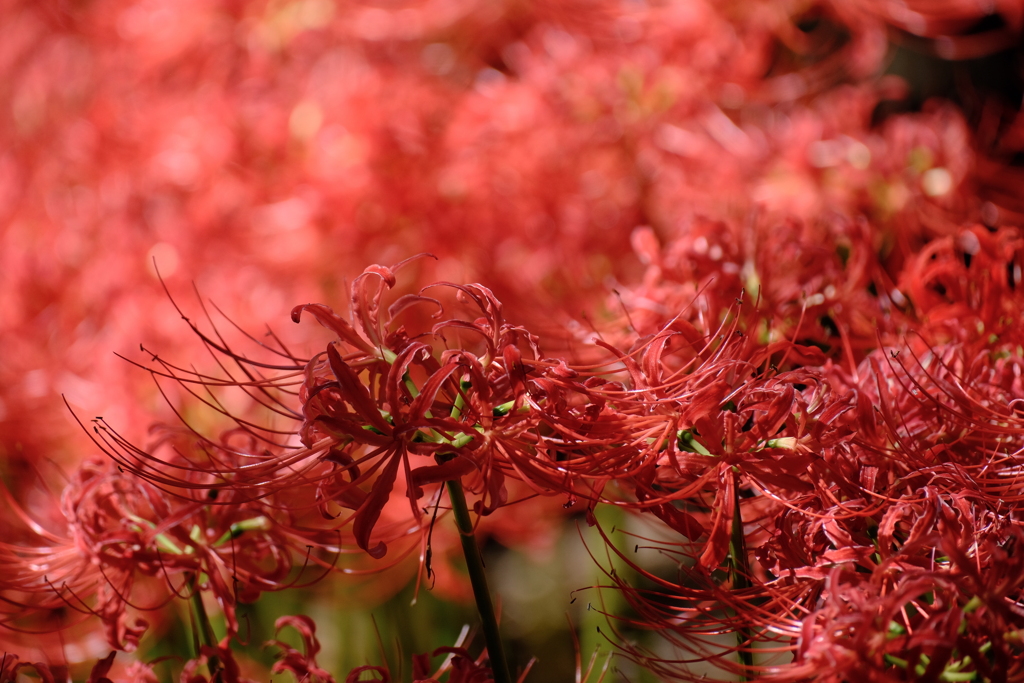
x=739, y=569
x=475, y=563
x=203, y=630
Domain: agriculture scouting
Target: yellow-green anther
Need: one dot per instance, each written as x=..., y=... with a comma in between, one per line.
x=895, y=630
x=142, y=525
x=167, y=544
x=462, y=439
x=688, y=442
x=140, y=521
x=953, y=667
x=503, y=409
x=896, y=661
x=260, y=523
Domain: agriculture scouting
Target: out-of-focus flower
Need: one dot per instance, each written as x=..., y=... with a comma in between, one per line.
x=301, y=664
x=967, y=286
x=129, y=544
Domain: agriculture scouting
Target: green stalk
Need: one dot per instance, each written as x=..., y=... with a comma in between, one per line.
x=475, y=563
x=739, y=569
x=203, y=630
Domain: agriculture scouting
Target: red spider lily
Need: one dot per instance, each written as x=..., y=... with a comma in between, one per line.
x=795, y=282
x=124, y=537
x=136, y=672
x=929, y=607
x=924, y=419
x=459, y=666
x=495, y=402
x=907, y=499
x=968, y=286
x=301, y=664
x=606, y=121
x=947, y=413
x=364, y=428
x=55, y=571
x=386, y=418
x=218, y=657
x=378, y=399
x=777, y=478
x=272, y=148
x=945, y=618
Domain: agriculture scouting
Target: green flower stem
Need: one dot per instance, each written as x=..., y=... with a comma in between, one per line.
x=203, y=629
x=475, y=563
x=460, y=403
x=739, y=569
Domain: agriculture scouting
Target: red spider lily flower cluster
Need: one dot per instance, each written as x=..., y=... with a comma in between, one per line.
x=810, y=383
x=841, y=504
x=127, y=543
x=271, y=149
x=863, y=514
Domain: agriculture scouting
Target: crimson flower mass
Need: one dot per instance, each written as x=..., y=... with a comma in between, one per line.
x=465, y=341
